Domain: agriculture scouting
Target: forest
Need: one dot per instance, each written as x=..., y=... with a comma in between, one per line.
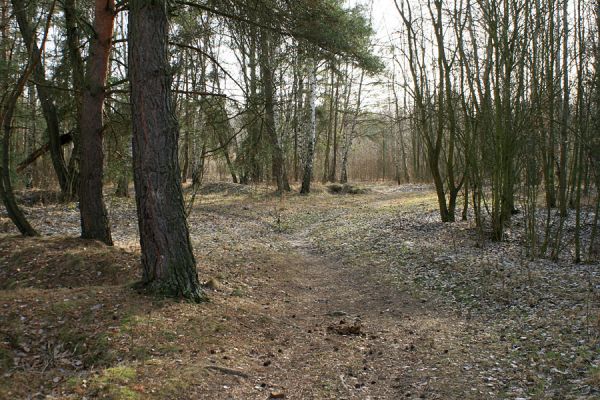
x=310, y=199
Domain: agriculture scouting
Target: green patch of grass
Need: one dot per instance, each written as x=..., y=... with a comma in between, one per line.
x=140, y=353
x=169, y=335
x=593, y=376
x=125, y=393
x=64, y=306
x=112, y=384
x=93, y=351
x=128, y=322
x=74, y=262
x=169, y=349
x=216, y=328
x=6, y=359
x=9, y=284
x=175, y=386
x=19, y=257
x=73, y=382
x=237, y=292
x=538, y=388
x=119, y=374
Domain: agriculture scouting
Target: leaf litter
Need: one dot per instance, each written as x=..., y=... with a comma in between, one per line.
x=316, y=296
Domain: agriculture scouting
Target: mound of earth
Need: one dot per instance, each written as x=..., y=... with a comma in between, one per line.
x=336, y=188
x=31, y=197
x=226, y=188
x=54, y=262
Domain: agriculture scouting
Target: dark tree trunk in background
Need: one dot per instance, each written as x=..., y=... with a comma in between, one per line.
x=94, y=217
x=350, y=134
x=7, y=112
x=311, y=132
x=333, y=167
x=73, y=40
x=67, y=186
x=122, y=189
x=269, y=118
x=297, y=121
x=332, y=97
x=6, y=191
x=167, y=258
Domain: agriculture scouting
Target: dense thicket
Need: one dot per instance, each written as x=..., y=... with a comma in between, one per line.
x=503, y=97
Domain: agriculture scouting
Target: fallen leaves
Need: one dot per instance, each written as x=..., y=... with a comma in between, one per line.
x=440, y=316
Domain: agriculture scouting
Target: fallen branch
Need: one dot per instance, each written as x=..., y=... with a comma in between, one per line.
x=64, y=139
x=228, y=371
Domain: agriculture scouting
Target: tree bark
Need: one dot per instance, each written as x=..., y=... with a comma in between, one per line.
x=168, y=262
x=78, y=71
x=94, y=216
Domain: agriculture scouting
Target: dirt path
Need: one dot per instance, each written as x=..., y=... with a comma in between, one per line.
x=332, y=329
x=354, y=336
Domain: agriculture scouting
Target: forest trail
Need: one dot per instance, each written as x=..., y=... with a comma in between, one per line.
x=318, y=297
x=356, y=336
x=366, y=339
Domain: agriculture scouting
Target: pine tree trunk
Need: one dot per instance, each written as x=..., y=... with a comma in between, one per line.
x=94, y=216
x=73, y=41
x=168, y=262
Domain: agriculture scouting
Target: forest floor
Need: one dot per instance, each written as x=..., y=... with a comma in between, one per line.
x=311, y=297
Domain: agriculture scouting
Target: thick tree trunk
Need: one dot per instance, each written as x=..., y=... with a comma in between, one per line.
x=94, y=217
x=168, y=262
